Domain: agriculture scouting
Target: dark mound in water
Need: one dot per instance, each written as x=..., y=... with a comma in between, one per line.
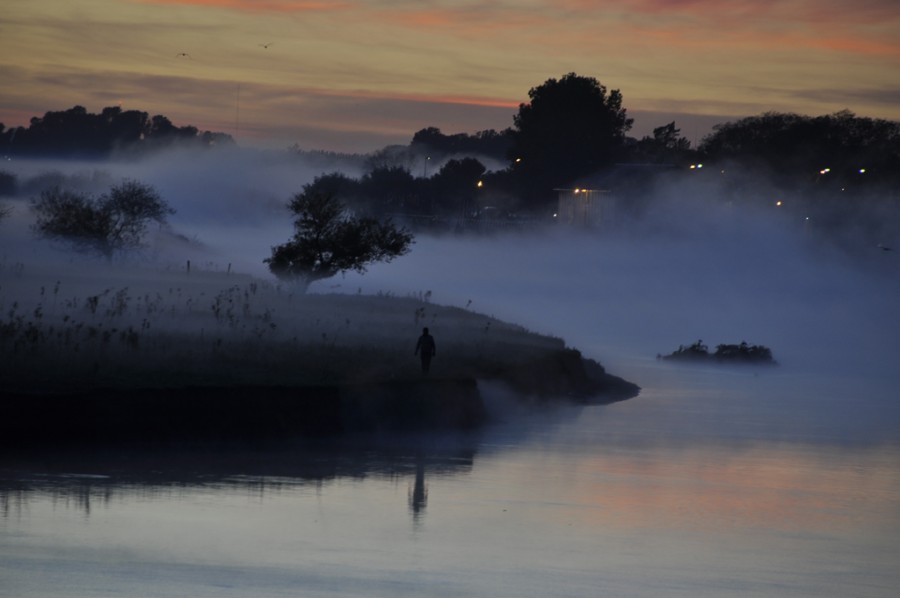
x=740, y=353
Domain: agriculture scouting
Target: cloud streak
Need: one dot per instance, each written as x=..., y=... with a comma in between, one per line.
x=277, y=6
x=705, y=58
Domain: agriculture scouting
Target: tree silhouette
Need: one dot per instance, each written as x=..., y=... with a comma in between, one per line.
x=797, y=149
x=455, y=186
x=666, y=145
x=432, y=142
x=389, y=189
x=571, y=128
x=328, y=241
x=113, y=222
x=77, y=133
x=337, y=184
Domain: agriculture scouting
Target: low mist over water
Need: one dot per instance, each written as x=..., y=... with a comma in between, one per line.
x=693, y=265
x=716, y=480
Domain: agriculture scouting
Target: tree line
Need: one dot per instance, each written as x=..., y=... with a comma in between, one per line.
x=571, y=128
x=328, y=239
x=77, y=133
x=574, y=129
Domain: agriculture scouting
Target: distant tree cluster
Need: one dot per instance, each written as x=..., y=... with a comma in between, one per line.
x=665, y=146
x=831, y=150
x=113, y=222
x=432, y=143
x=451, y=193
x=571, y=129
x=77, y=133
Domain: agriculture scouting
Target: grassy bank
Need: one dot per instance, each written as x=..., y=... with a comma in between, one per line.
x=139, y=328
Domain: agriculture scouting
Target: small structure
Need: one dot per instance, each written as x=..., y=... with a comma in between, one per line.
x=584, y=207
x=602, y=199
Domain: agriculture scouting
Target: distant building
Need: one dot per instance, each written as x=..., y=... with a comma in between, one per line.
x=584, y=207
x=598, y=201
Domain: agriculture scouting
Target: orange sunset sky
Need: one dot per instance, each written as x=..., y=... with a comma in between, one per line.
x=355, y=75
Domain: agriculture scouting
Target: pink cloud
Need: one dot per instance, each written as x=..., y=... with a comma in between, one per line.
x=259, y=5
x=866, y=27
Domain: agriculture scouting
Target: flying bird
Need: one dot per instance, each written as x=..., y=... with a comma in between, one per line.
x=266, y=46
x=182, y=55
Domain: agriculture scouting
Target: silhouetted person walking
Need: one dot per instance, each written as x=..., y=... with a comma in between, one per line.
x=426, y=349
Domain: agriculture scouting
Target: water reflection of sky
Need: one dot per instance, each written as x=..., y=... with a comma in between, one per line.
x=617, y=500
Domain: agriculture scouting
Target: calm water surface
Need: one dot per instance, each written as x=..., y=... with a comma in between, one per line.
x=711, y=483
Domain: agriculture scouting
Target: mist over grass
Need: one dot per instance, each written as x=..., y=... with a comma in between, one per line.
x=629, y=293
x=230, y=203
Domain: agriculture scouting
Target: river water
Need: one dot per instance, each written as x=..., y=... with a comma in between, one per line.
x=715, y=481
x=699, y=487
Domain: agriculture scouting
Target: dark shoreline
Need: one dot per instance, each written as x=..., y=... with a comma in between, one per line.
x=257, y=412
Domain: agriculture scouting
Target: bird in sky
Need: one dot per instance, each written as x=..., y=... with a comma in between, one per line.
x=266, y=46
x=182, y=55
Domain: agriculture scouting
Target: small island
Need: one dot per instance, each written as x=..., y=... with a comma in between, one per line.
x=736, y=353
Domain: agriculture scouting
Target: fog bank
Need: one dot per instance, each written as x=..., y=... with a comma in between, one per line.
x=693, y=266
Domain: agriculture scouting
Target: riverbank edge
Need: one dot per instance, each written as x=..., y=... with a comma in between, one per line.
x=247, y=412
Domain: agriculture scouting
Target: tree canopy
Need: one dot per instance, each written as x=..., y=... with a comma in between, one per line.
x=327, y=241
x=666, y=145
x=115, y=221
x=78, y=133
x=488, y=143
x=801, y=147
x=571, y=128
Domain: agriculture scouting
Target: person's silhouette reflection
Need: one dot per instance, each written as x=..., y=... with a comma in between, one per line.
x=418, y=494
